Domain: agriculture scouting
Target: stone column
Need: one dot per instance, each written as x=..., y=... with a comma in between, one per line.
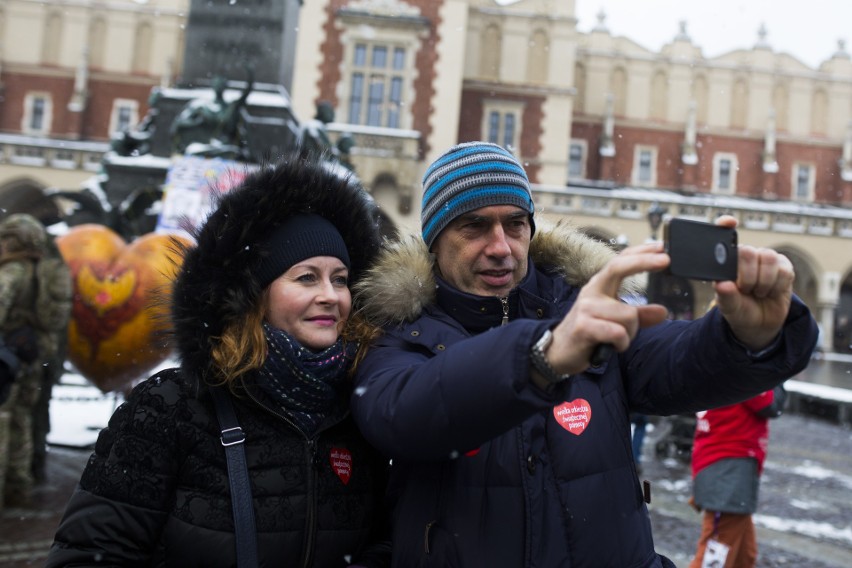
x=689, y=153
x=828, y=298
x=607, y=145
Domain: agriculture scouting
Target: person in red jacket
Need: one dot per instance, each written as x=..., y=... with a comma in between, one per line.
x=727, y=460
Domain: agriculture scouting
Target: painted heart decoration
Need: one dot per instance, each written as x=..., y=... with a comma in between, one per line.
x=120, y=310
x=574, y=416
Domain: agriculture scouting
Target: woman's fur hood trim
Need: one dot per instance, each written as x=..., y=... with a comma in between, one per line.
x=216, y=285
x=402, y=283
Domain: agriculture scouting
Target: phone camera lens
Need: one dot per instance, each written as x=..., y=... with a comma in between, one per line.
x=721, y=253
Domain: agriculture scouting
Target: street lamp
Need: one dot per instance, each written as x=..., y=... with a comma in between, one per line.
x=655, y=218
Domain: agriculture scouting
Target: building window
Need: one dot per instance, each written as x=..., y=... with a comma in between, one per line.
x=502, y=123
x=804, y=180
x=38, y=112
x=725, y=169
x=645, y=165
x=125, y=114
x=577, y=159
x=501, y=129
x=377, y=85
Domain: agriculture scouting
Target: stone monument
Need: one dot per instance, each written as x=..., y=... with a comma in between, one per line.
x=224, y=36
x=232, y=102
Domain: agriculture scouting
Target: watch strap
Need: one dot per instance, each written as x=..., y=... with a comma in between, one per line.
x=539, y=361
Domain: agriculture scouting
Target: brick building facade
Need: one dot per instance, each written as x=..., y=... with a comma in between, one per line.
x=604, y=126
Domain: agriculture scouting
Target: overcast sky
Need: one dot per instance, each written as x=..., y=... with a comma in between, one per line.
x=806, y=29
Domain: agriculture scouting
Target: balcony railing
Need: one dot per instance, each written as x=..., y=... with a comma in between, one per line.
x=754, y=214
x=37, y=152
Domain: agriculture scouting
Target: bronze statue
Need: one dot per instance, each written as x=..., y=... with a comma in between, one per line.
x=314, y=140
x=212, y=128
x=137, y=141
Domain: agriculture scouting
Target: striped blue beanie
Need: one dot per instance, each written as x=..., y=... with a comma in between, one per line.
x=469, y=176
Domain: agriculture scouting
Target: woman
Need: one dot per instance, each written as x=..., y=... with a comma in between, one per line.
x=258, y=308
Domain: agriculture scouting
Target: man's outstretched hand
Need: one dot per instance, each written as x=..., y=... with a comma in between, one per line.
x=756, y=305
x=600, y=317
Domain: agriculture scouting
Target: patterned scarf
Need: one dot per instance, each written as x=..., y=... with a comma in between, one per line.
x=306, y=384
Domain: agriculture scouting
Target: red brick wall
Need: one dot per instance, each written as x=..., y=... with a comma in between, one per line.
x=470, y=118
x=16, y=87
x=749, y=160
x=470, y=124
x=91, y=124
x=750, y=177
x=103, y=93
x=421, y=99
x=591, y=133
x=427, y=62
x=332, y=53
x=668, y=154
x=829, y=185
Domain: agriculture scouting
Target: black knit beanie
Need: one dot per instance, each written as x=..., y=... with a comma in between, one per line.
x=300, y=237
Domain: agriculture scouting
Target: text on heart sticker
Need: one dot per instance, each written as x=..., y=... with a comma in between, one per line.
x=574, y=416
x=341, y=463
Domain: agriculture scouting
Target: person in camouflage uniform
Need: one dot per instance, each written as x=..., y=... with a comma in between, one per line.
x=22, y=244
x=53, y=363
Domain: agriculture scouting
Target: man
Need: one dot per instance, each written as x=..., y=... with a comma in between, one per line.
x=509, y=448
x=54, y=319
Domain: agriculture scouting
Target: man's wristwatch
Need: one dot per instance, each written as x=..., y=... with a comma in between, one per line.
x=539, y=360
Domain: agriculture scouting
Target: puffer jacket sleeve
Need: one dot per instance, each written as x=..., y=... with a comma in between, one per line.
x=685, y=367
x=376, y=552
x=418, y=404
x=116, y=514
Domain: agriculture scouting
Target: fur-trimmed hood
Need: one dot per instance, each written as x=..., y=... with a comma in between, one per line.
x=217, y=285
x=402, y=282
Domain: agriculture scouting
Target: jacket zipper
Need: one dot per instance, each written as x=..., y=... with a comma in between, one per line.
x=311, y=520
x=505, y=302
x=311, y=451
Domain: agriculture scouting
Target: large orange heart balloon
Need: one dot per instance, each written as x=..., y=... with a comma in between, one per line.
x=120, y=313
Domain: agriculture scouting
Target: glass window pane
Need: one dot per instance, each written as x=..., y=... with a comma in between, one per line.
x=376, y=99
x=724, y=174
x=355, y=98
x=398, y=58
x=494, y=127
x=645, y=165
x=123, y=122
x=37, y=116
x=396, y=90
x=360, y=55
x=395, y=102
x=380, y=56
x=509, y=130
x=802, y=181
x=575, y=160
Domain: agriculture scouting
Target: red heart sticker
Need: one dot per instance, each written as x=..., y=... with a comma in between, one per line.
x=574, y=416
x=341, y=463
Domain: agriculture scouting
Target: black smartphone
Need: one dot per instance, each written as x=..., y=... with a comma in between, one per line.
x=700, y=251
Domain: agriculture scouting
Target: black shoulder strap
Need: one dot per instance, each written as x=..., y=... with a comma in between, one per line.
x=232, y=439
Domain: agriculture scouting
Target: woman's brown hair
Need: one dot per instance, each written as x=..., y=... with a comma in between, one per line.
x=242, y=346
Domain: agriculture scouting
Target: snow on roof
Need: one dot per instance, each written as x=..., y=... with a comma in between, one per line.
x=266, y=98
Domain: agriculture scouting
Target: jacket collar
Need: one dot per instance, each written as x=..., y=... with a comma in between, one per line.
x=402, y=281
x=479, y=313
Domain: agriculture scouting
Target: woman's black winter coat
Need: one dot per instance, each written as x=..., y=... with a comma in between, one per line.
x=155, y=491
